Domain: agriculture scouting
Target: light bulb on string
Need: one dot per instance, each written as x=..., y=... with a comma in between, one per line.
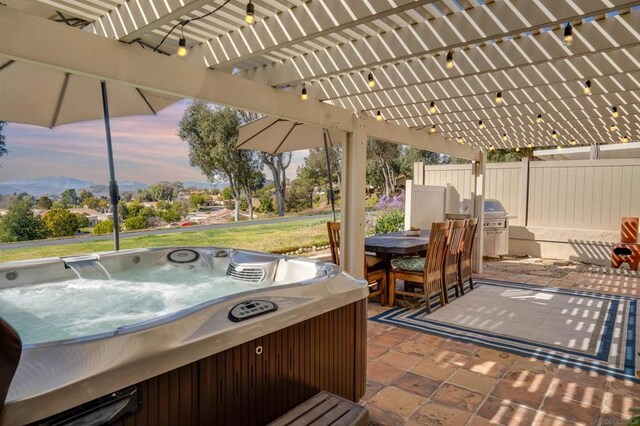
x=568, y=34
x=250, y=16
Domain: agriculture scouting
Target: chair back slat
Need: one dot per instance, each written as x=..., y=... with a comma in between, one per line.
x=467, y=250
x=334, y=241
x=435, y=258
x=455, y=241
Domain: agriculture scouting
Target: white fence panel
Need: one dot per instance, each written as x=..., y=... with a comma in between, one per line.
x=424, y=204
x=589, y=194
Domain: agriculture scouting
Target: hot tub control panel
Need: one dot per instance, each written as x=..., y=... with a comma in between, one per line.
x=250, y=309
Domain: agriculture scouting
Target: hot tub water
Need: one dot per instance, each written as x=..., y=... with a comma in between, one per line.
x=93, y=303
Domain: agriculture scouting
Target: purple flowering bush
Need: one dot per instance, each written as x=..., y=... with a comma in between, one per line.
x=389, y=216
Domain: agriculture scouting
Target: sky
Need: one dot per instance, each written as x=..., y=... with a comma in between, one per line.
x=146, y=149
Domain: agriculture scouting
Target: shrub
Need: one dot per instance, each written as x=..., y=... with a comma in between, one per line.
x=136, y=222
x=104, y=227
x=170, y=215
x=83, y=221
x=391, y=202
x=389, y=221
x=61, y=222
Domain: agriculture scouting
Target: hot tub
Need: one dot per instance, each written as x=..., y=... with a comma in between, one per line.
x=193, y=335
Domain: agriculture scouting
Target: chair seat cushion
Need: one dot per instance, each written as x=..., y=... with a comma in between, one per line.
x=413, y=264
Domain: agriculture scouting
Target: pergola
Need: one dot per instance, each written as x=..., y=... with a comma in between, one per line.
x=458, y=77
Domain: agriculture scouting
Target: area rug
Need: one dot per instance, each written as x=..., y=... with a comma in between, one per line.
x=595, y=332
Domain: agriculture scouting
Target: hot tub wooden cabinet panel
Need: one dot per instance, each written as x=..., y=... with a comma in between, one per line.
x=258, y=381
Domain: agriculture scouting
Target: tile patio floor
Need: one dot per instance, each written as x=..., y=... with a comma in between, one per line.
x=415, y=378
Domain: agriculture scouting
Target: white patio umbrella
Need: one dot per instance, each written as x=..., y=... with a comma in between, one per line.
x=42, y=96
x=275, y=136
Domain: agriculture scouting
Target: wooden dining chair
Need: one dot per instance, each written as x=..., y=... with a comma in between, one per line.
x=465, y=264
x=453, y=251
x=426, y=270
x=374, y=269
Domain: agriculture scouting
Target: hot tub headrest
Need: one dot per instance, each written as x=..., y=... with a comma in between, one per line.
x=10, y=350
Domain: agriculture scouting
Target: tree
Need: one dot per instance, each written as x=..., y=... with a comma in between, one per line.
x=197, y=200
x=69, y=198
x=3, y=143
x=277, y=164
x=163, y=191
x=314, y=169
x=211, y=133
x=509, y=155
x=382, y=167
x=84, y=195
x=410, y=155
x=21, y=224
x=252, y=179
x=61, y=223
x=44, y=203
x=83, y=221
x=265, y=196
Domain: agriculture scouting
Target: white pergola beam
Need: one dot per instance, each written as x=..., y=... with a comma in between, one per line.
x=317, y=18
x=436, y=35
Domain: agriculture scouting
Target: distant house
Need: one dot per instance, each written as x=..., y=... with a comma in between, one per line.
x=3, y=212
x=153, y=204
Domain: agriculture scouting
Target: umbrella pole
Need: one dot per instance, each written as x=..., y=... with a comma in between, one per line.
x=326, y=152
x=113, y=185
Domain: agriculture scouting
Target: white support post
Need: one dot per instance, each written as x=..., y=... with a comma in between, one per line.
x=523, y=201
x=354, y=169
x=478, y=169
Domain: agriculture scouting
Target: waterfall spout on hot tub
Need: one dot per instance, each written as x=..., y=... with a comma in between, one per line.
x=87, y=267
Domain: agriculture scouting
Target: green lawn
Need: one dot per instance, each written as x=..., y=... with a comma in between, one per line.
x=275, y=238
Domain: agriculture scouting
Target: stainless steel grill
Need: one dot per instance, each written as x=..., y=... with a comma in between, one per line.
x=246, y=273
x=496, y=229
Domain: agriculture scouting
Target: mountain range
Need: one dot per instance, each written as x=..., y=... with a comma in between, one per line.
x=54, y=185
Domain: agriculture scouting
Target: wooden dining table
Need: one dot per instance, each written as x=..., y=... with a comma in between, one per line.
x=396, y=244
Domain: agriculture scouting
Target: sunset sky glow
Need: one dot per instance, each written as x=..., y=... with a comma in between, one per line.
x=146, y=149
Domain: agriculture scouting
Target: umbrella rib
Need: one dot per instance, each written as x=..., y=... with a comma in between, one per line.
x=276, y=121
x=285, y=137
x=3, y=66
x=56, y=112
x=144, y=98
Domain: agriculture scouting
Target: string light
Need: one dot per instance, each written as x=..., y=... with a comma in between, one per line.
x=573, y=142
x=539, y=119
x=529, y=145
x=450, y=63
x=614, y=112
x=568, y=34
x=554, y=134
x=370, y=80
x=303, y=95
x=587, y=87
x=505, y=137
x=480, y=125
x=433, y=129
x=499, y=98
x=461, y=141
x=625, y=139
x=491, y=148
x=613, y=128
x=517, y=149
x=432, y=107
x=182, y=47
x=378, y=116
x=250, y=17
x=559, y=147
